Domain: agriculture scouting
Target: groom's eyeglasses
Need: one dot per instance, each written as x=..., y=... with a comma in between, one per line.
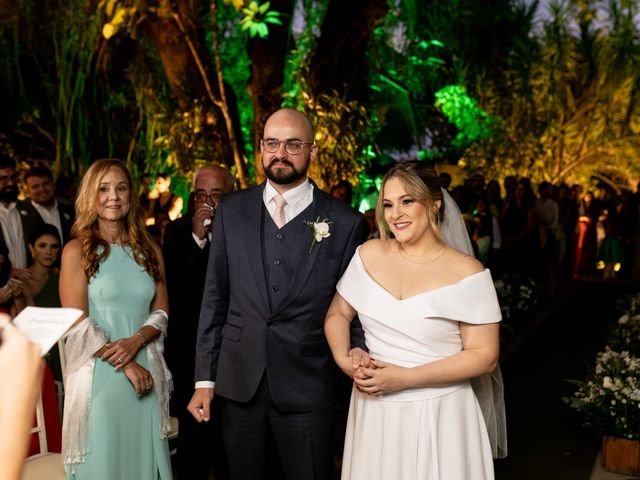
x=292, y=147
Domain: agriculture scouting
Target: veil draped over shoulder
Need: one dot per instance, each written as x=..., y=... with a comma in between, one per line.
x=489, y=388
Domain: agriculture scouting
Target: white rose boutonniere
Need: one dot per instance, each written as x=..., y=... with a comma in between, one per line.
x=319, y=230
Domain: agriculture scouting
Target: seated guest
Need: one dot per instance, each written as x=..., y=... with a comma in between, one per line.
x=41, y=288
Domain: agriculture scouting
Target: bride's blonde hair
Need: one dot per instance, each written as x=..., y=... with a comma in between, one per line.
x=422, y=184
x=94, y=248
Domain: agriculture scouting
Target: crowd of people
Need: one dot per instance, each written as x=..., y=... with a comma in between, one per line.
x=551, y=232
x=233, y=317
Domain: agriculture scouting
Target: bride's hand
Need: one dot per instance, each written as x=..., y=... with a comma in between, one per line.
x=359, y=358
x=380, y=378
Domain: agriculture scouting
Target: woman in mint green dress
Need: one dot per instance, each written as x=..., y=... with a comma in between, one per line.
x=117, y=385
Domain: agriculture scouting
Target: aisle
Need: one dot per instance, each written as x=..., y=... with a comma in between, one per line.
x=546, y=441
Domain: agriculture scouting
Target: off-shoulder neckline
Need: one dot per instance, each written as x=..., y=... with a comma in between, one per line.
x=426, y=292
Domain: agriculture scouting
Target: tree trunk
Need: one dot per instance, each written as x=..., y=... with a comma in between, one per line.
x=340, y=59
x=184, y=76
x=268, y=56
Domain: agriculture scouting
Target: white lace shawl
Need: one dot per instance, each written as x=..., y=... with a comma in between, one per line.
x=83, y=341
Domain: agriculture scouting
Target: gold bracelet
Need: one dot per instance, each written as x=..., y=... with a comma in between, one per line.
x=144, y=339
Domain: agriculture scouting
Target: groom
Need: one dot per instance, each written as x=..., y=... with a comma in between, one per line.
x=269, y=283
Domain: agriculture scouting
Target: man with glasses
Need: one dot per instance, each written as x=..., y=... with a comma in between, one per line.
x=278, y=251
x=186, y=250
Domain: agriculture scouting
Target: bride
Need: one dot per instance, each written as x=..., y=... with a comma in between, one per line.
x=430, y=316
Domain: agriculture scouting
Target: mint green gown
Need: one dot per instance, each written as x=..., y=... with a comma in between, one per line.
x=124, y=430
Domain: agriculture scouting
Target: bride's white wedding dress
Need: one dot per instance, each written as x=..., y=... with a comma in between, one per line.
x=435, y=433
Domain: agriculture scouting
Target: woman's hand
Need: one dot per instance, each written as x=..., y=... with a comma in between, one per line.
x=123, y=351
x=380, y=378
x=139, y=377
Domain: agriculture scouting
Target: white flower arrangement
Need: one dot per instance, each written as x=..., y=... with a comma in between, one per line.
x=515, y=295
x=319, y=230
x=609, y=398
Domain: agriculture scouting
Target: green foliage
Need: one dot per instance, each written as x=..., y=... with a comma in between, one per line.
x=472, y=122
x=570, y=104
x=236, y=70
x=344, y=133
x=256, y=17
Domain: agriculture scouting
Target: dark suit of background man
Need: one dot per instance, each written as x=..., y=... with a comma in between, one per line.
x=186, y=251
x=42, y=206
x=269, y=285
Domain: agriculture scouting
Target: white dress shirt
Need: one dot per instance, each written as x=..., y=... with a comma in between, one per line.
x=13, y=235
x=50, y=216
x=298, y=199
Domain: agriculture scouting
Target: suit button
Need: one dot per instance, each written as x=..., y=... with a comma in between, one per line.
x=276, y=261
x=275, y=288
x=269, y=323
x=279, y=236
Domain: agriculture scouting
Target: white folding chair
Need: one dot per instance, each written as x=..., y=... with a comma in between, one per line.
x=44, y=465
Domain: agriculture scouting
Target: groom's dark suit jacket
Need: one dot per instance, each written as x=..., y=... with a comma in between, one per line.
x=241, y=335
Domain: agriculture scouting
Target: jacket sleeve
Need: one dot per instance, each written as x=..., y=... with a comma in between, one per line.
x=215, y=303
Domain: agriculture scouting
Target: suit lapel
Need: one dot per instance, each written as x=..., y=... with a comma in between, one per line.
x=306, y=259
x=253, y=239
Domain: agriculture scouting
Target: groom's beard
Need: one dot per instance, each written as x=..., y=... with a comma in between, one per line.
x=9, y=194
x=281, y=176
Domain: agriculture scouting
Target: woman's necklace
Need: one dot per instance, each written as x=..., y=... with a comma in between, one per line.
x=436, y=254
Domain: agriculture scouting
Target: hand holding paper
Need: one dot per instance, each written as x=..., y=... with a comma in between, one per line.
x=45, y=326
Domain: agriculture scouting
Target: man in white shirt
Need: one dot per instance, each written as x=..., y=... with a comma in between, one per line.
x=277, y=252
x=185, y=248
x=42, y=206
x=13, y=222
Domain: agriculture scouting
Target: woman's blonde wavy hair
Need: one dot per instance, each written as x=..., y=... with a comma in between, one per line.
x=94, y=248
x=421, y=182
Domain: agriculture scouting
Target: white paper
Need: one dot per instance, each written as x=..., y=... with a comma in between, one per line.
x=45, y=326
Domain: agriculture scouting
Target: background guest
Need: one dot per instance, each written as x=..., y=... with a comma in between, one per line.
x=116, y=416
x=186, y=251
x=166, y=206
x=42, y=206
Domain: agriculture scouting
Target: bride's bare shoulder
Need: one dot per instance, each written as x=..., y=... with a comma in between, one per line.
x=463, y=265
x=374, y=249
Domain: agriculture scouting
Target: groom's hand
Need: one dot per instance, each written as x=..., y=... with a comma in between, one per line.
x=359, y=360
x=200, y=404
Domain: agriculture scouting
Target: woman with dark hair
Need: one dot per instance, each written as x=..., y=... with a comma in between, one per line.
x=42, y=286
x=117, y=388
x=430, y=316
x=167, y=206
